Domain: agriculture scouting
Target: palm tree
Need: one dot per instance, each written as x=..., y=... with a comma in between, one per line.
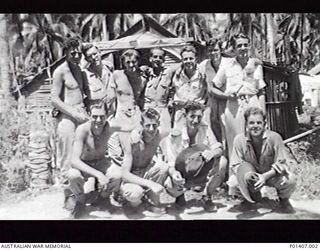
x=5, y=71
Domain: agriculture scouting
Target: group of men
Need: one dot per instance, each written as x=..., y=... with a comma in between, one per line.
x=146, y=134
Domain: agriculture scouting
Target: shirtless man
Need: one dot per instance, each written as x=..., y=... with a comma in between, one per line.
x=89, y=161
x=67, y=97
x=128, y=89
x=141, y=172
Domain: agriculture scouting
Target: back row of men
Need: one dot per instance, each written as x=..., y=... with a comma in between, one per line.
x=151, y=119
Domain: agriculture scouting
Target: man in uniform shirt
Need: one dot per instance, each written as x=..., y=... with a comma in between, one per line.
x=263, y=152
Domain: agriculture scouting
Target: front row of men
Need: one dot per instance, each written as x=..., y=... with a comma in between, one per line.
x=146, y=169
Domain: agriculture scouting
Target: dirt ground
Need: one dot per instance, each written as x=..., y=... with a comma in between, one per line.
x=48, y=205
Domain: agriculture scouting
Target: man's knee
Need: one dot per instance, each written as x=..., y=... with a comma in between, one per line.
x=114, y=172
x=132, y=192
x=74, y=174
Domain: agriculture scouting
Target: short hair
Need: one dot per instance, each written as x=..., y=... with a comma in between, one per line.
x=150, y=113
x=72, y=42
x=253, y=111
x=157, y=48
x=99, y=105
x=238, y=36
x=188, y=48
x=86, y=47
x=213, y=42
x=129, y=53
x=192, y=105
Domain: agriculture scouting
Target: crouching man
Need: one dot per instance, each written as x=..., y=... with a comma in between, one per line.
x=195, y=158
x=258, y=159
x=143, y=174
x=90, y=169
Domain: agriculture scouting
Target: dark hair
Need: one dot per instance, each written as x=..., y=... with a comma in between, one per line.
x=86, y=47
x=192, y=105
x=72, y=42
x=150, y=113
x=157, y=48
x=238, y=36
x=188, y=48
x=100, y=105
x=253, y=111
x=129, y=53
x=213, y=42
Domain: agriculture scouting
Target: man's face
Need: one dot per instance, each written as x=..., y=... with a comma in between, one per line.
x=93, y=56
x=255, y=125
x=242, y=47
x=74, y=55
x=214, y=53
x=98, y=117
x=189, y=60
x=194, y=118
x=157, y=58
x=150, y=126
x=131, y=63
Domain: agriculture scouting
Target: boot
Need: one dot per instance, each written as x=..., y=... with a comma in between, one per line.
x=285, y=206
x=78, y=211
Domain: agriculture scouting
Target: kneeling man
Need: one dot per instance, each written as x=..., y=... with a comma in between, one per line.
x=89, y=161
x=258, y=158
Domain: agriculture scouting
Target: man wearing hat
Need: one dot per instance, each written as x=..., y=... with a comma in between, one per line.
x=194, y=156
x=258, y=158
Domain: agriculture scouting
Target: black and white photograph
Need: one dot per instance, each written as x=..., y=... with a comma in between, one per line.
x=159, y=116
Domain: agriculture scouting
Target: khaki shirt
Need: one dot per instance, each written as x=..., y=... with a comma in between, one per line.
x=189, y=89
x=232, y=77
x=272, y=151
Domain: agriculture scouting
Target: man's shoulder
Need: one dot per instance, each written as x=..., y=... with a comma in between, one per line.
x=274, y=135
x=61, y=68
x=240, y=138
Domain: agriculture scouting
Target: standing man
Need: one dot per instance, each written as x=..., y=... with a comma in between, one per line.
x=68, y=98
x=128, y=88
x=156, y=95
x=89, y=161
x=98, y=77
x=216, y=105
x=240, y=82
x=189, y=84
x=262, y=151
x=198, y=133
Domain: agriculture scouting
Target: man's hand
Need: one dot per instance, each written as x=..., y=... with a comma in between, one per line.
x=208, y=154
x=103, y=180
x=177, y=178
x=261, y=182
x=156, y=187
x=231, y=96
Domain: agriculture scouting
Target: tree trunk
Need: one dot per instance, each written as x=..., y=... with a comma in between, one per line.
x=270, y=37
x=5, y=75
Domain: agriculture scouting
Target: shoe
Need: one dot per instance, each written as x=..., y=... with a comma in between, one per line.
x=285, y=207
x=156, y=211
x=78, y=211
x=208, y=205
x=243, y=207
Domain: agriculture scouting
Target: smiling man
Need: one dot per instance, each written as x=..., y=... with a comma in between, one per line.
x=261, y=152
x=98, y=76
x=88, y=159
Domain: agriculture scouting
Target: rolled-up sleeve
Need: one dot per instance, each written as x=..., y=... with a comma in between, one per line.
x=220, y=78
x=258, y=74
x=237, y=153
